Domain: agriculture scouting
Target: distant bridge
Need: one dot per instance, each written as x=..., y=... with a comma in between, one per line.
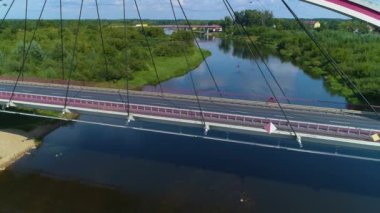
x=210, y=28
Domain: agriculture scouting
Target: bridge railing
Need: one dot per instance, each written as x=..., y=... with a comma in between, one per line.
x=195, y=115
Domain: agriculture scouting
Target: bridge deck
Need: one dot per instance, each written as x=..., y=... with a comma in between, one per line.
x=243, y=115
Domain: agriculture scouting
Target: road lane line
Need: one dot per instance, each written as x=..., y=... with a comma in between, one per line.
x=281, y=116
x=340, y=122
x=240, y=112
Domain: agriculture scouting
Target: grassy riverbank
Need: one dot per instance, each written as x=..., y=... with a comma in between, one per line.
x=24, y=123
x=122, y=57
x=353, y=46
x=167, y=68
x=357, y=55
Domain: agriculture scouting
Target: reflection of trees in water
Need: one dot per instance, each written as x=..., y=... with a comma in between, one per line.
x=239, y=49
x=225, y=45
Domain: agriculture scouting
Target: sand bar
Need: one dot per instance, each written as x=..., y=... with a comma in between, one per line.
x=13, y=145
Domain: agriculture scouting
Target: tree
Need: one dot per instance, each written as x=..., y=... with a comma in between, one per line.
x=227, y=23
x=153, y=32
x=56, y=53
x=183, y=36
x=36, y=52
x=2, y=61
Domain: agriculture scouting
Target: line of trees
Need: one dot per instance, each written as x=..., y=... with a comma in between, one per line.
x=350, y=42
x=44, y=58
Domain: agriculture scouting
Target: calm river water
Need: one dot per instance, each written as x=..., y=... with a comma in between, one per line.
x=238, y=77
x=168, y=173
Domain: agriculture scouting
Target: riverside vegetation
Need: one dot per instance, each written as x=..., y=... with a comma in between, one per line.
x=128, y=59
x=353, y=44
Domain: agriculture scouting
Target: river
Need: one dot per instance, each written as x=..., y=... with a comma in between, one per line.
x=152, y=172
x=237, y=76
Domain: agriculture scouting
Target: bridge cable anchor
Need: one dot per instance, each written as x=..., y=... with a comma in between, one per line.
x=10, y=104
x=66, y=111
x=299, y=141
x=206, y=128
x=130, y=119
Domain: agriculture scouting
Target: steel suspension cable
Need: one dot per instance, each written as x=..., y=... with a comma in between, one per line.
x=22, y=67
x=188, y=64
x=6, y=13
x=103, y=45
x=62, y=42
x=241, y=28
x=328, y=57
x=126, y=54
x=25, y=32
x=200, y=49
x=72, y=64
x=149, y=48
x=236, y=19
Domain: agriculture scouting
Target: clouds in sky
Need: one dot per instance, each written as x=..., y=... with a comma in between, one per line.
x=160, y=9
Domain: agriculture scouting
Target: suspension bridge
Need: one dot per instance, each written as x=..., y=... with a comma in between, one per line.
x=273, y=118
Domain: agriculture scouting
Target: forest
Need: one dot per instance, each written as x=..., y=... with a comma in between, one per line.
x=125, y=54
x=354, y=45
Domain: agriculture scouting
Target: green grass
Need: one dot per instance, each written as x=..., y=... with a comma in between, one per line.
x=27, y=123
x=42, y=112
x=167, y=68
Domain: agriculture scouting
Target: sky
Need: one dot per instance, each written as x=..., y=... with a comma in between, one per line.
x=160, y=9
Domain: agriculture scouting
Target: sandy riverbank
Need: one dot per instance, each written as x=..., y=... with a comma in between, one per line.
x=13, y=145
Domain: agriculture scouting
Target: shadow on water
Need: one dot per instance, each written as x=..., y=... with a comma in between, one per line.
x=313, y=171
x=181, y=174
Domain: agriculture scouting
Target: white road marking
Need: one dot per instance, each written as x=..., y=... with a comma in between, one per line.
x=240, y=112
x=163, y=104
x=281, y=116
x=339, y=122
x=28, y=91
x=85, y=96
